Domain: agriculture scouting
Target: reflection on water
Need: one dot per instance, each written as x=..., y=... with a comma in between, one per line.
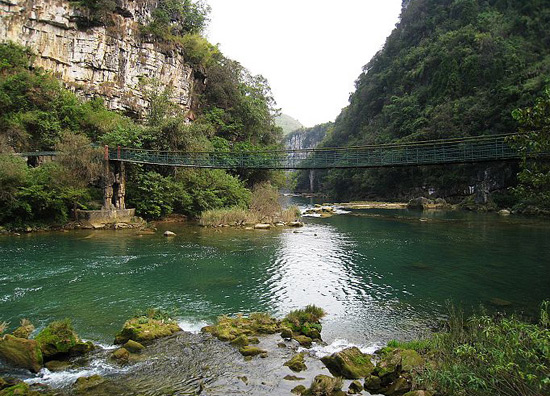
x=379, y=274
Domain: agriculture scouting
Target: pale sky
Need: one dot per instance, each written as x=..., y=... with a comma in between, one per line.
x=311, y=51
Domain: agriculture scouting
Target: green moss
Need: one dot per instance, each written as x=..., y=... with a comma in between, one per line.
x=350, y=363
x=19, y=389
x=144, y=329
x=251, y=351
x=21, y=352
x=57, y=338
x=297, y=363
x=229, y=329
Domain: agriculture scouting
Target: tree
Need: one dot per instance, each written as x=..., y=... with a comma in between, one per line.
x=534, y=140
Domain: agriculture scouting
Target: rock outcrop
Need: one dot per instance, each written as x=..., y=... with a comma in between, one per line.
x=112, y=62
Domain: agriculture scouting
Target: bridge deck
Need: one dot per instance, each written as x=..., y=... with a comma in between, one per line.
x=448, y=151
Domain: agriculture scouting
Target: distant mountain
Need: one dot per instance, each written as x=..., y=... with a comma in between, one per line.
x=288, y=123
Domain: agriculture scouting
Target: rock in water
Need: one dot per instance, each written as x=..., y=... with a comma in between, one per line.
x=58, y=338
x=169, y=234
x=325, y=385
x=355, y=388
x=419, y=203
x=133, y=346
x=297, y=363
x=146, y=329
x=262, y=226
x=21, y=352
x=251, y=351
x=350, y=363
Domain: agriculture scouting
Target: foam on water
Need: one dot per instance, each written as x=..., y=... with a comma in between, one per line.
x=61, y=379
x=338, y=345
x=192, y=326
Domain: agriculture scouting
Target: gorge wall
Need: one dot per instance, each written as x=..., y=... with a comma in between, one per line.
x=112, y=62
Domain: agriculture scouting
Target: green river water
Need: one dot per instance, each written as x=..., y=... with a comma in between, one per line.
x=379, y=274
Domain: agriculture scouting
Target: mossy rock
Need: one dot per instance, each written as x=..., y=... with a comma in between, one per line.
x=58, y=365
x=418, y=393
x=21, y=352
x=133, y=346
x=324, y=385
x=303, y=340
x=286, y=333
x=121, y=355
x=3, y=383
x=82, y=348
x=299, y=390
x=23, y=331
x=57, y=339
x=254, y=340
x=251, y=351
x=240, y=341
x=389, y=367
x=297, y=363
x=145, y=329
x=293, y=378
x=355, y=388
x=410, y=360
x=231, y=328
x=398, y=387
x=373, y=383
x=350, y=363
x=85, y=384
x=21, y=389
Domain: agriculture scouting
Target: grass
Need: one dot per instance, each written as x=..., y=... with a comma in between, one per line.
x=311, y=314
x=487, y=355
x=235, y=216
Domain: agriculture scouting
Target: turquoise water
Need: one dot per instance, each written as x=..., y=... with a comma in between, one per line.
x=379, y=274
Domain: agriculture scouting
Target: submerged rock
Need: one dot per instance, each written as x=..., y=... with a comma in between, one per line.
x=21, y=352
x=83, y=384
x=303, y=340
x=144, y=329
x=240, y=341
x=293, y=378
x=299, y=390
x=229, y=329
x=121, y=355
x=297, y=363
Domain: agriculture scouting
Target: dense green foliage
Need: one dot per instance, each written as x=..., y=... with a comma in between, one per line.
x=451, y=68
x=487, y=356
x=37, y=113
x=534, y=138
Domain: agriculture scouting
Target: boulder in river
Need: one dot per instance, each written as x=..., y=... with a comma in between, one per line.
x=251, y=351
x=25, y=330
x=262, y=226
x=121, y=355
x=21, y=352
x=419, y=203
x=57, y=339
x=324, y=385
x=169, y=234
x=349, y=363
x=133, y=346
x=303, y=340
x=297, y=363
x=144, y=329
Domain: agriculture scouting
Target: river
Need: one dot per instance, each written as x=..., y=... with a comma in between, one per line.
x=380, y=274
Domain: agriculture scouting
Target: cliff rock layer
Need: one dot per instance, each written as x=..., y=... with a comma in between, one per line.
x=113, y=62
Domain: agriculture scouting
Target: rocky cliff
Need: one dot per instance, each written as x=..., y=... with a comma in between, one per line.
x=111, y=61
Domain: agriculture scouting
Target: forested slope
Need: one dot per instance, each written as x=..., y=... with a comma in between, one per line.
x=450, y=68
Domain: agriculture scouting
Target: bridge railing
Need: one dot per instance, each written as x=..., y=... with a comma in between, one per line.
x=461, y=150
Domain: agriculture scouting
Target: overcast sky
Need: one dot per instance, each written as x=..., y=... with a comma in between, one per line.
x=311, y=51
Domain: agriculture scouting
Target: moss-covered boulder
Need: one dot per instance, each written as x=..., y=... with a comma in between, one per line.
x=251, y=351
x=418, y=393
x=350, y=363
x=58, y=365
x=286, y=333
x=293, y=378
x=297, y=363
x=85, y=384
x=303, y=340
x=240, y=341
x=58, y=338
x=393, y=362
x=299, y=390
x=133, y=346
x=231, y=328
x=373, y=383
x=81, y=348
x=398, y=387
x=21, y=389
x=121, y=355
x=21, y=352
x=145, y=329
x=324, y=385
x=304, y=322
x=355, y=388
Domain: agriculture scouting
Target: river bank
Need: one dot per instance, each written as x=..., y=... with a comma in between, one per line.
x=259, y=355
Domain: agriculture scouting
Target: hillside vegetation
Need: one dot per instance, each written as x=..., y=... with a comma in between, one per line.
x=451, y=68
x=235, y=112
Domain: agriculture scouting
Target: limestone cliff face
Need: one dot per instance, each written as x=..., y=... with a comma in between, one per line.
x=107, y=61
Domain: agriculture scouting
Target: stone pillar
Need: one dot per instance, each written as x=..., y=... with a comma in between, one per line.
x=120, y=183
x=108, y=180
x=311, y=180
